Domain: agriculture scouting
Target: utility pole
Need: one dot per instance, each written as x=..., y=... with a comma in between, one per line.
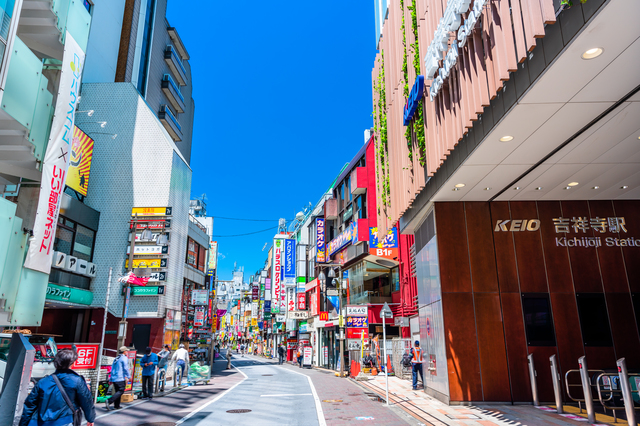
x=122, y=326
x=104, y=326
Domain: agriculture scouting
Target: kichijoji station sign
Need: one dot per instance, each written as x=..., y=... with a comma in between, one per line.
x=572, y=232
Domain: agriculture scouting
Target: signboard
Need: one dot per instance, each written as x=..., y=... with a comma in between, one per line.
x=147, y=263
x=69, y=294
x=159, y=224
x=213, y=255
x=157, y=276
x=302, y=302
x=387, y=247
x=321, y=255
x=56, y=159
x=298, y=315
x=348, y=236
x=289, y=269
x=357, y=333
x=280, y=318
x=358, y=322
x=277, y=273
x=151, y=211
x=198, y=317
x=324, y=316
x=307, y=356
x=255, y=292
x=354, y=344
x=199, y=297
x=131, y=357
x=143, y=250
x=80, y=162
x=357, y=311
x=87, y=355
x=291, y=299
x=150, y=290
x=401, y=321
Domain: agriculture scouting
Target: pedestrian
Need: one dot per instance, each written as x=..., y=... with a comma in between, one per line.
x=242, y=349
x=163, y=361
x=148, y=363
x=417, y=359
x=217, y=350
x=281, y=354
x=299, y=354
x=229, y=358
x=47, y=405
x=181, y=356
x=119, y=375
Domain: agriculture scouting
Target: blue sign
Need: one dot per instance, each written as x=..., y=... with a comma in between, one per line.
x=415, y=96
x=389, y=241
x=349, y=236
x=289, y=270
x=267, y=306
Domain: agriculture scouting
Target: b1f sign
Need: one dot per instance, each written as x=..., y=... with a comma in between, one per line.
x=289, y=270
x=320, y=241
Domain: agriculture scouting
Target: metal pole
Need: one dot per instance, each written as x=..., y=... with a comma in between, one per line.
x=104, y=326
x=532, y=379
x=386, y=373
x=626, y=392
x=586, y=389
x=557, y=386
x=123, y=321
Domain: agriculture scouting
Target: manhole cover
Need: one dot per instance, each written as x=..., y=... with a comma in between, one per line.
x=331, y=400
x=239, y=411
x=158, y=424
x=267, y=374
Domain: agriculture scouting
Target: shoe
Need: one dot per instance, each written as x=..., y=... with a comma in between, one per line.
x=106, y=405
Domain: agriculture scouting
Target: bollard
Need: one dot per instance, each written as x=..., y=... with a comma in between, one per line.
x=586, y=389
x=626, y=392
x=534, y=383
x=557, y=386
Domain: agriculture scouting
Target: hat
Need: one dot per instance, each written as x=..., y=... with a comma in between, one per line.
x=417, y=342
x=123, y=349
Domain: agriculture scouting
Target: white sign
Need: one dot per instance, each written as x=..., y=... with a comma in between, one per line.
x=149, y=250
x=199, y=297
x=357, y=311
x=308, y=354
x=298, y=315
x=157, y=276
x=56, y=159
x=291, y=299
x=354, y=344
x=71, y=264
x=401, y=321
x=280, y=318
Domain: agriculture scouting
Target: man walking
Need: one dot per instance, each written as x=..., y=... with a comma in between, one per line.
x=181, y=356
x=228, y=358
x=280, y=354
x=148, y=363
x=119, y=375
x=417, y=359
x=163, y=360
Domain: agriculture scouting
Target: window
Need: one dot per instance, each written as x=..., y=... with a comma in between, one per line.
x=361, y=207
x=87, y=5
x=146, y=47
x=594, y=319
x=347, y=192
x=74, y=239
x=538, y=322
x=83, y=243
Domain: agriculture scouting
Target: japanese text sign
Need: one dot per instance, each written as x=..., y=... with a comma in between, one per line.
x=87, y=355
x=358, y=322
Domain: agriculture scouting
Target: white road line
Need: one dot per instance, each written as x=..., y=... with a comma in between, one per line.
x=287, y=394
x=191, y=414
x=321, y=421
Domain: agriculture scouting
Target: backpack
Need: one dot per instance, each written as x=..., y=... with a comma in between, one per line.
x=406, y=359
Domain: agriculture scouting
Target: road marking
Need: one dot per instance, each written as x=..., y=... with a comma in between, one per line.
x=114, y=411
x=193, y=413
x=288, y=394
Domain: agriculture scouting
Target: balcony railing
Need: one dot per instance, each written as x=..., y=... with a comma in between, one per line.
x=175, y=65
x=170, y=123
x=172, y=92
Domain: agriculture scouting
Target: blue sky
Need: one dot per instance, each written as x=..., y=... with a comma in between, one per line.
x=283, y=96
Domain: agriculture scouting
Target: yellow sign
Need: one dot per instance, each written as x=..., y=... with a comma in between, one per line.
x=151, y=211
x=80, y=163
x=254, y=322
x=147, y=263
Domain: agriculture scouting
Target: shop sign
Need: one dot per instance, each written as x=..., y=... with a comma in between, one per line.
x=56, y=159
x=280, y=318
x=289, y=269
x=154, y=237
x=254, y=322
x=255, y=292
x=147, y=263
x=144, y=250
x=199, y=297
x=169, y=320
x=302, y=303
x=357, y=311
x=159, y=224
x=401, y=321
x=277, y=273
x=80, y=162
x=357, y=333
x=291, y=299
x=213, y=255
x=302, y=327
x=150, y=290
x=320, y=241
x=69, y=294
x=87, y=355
x=157, y=276
x=254, y=309
x=298, y=315
x=324, y=316
x=198, y=317
x=151, y=211
x=73, y=264
x=348, y=236
x=358, y=322
x=354, y=344
x=415, y=96
x=387, y=247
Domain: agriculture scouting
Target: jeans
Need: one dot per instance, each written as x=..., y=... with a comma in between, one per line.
x=280, y=358
x=147, y=386
x=180, y=365
x=119, y=388
x=300, y=361
x=415, y=368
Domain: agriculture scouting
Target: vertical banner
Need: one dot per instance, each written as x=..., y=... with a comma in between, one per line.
x=289, y=270
x=56, y=159
x=213, y=255
x=276, y=274
x=320, y=243
x=291, y=299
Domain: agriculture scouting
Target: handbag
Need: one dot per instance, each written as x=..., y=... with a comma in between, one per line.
x=77, y=415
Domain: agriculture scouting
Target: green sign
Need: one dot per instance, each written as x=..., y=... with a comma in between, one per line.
x=151, y=290
x=69, y=294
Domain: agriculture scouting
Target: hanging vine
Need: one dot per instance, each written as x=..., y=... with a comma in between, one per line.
x=380, y=122
x=418, y=121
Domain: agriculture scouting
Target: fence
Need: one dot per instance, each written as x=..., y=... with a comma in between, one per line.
x=399, y=347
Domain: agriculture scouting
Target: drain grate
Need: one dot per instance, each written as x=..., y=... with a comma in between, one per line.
x=239, y=411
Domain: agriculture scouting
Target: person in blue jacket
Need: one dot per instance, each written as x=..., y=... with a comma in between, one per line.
x=148, y=363
x=46, y=405
x=119, y=375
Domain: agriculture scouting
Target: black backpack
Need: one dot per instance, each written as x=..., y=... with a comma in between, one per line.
x=406, y=359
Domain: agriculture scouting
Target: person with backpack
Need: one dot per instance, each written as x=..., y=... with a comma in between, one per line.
x=56, y=398
x=280, y=354
x=417, y=358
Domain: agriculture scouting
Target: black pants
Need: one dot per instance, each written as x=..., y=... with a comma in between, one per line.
x=280, y=358
x=147, y=386
x=115, y=399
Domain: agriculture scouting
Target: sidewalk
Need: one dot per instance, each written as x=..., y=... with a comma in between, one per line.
x=430, y=411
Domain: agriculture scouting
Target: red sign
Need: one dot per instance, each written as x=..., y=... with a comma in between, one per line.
x=324, y=316
x=302, y=303
x=387, y=253
x=357, y=333
x=87, y=355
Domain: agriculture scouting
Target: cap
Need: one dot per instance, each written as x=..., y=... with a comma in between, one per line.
x=124, y=349
x=417, y=342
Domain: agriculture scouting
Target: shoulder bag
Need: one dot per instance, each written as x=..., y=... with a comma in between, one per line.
x=77, y=415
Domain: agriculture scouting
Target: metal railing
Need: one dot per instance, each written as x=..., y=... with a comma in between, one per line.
x=568, y=386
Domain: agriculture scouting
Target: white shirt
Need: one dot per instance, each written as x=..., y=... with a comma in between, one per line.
x=181, y=354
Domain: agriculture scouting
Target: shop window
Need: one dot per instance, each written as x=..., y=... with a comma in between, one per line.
x=395, y=279
x=74, y=239
x=64, y=240
x=538, y=321
x=594, y=319
x=83, y=243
